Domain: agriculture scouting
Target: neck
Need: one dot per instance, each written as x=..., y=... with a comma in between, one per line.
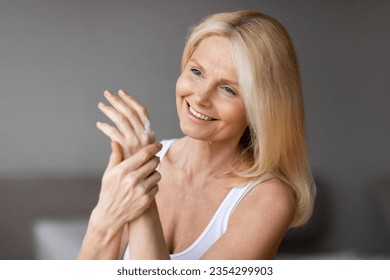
x=208, y=159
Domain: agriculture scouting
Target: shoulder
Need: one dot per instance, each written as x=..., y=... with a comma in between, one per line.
x=270, y=204
x=275, y=192
x=271, y=196
x=258, y=224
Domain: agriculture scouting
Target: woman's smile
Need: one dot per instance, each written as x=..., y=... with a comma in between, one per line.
x=199, y=115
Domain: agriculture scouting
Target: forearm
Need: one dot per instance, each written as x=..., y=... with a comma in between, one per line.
x=146, y=238
x=101, y=242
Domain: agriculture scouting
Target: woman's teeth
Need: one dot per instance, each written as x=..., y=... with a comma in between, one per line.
x=199, y=115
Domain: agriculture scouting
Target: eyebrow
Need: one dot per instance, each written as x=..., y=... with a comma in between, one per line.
x=233, y=83
x=196, y=62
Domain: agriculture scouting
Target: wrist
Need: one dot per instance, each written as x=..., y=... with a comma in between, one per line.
x=102, y=227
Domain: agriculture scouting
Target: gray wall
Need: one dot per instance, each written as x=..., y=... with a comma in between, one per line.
x=57, y=57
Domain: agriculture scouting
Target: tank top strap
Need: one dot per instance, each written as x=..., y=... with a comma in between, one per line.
x=166, y=144
x=240, y=193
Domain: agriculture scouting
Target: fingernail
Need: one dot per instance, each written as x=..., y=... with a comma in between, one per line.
x=121, y=92
x=98, y=123
x=107, y=93
x=100, y=105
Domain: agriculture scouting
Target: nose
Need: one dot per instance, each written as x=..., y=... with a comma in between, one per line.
x=203, y=96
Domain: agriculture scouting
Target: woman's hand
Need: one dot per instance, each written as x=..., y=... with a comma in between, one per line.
x=131, y=120
x=128, y=190
x=128, y=186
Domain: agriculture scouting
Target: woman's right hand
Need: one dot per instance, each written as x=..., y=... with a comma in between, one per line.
x=131, y=122
x=128, y=186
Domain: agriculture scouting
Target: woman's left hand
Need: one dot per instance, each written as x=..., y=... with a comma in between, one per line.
x=131, y=120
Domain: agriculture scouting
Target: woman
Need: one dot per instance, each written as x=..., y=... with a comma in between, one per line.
x=238, y=179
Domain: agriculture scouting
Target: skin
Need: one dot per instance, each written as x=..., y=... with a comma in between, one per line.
x=128, y=189
x=129, y=183
x=172, y=221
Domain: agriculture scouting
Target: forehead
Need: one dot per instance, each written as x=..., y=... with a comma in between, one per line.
x=215, y=51
x=214, y=41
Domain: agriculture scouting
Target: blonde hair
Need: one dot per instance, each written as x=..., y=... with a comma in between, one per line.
x=274, y=142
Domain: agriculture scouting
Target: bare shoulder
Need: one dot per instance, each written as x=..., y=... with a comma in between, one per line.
x=258, y=224
x=275, y=192
x=272, y=198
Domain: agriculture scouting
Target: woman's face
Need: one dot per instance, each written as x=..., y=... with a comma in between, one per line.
x=208, y=98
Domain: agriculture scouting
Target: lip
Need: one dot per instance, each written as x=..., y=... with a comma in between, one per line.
x=197, y=120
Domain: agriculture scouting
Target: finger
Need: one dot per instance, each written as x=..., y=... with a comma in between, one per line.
x=110, y=132
x=154, y=190
x=152, y=180
x=117, y=118
x=126, y=109
x=141, y=157
x=146, y=169
x=148, y=198
x=131, y=101
x=116, y=155
x=142, y=205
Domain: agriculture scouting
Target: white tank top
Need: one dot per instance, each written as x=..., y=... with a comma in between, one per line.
x=218, y=224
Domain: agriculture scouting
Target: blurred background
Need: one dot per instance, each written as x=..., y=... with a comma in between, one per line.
x=57, y=58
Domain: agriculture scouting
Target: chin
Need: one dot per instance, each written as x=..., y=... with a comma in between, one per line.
x=195, y=133
x=189, y=132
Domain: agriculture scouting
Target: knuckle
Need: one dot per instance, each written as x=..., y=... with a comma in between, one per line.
x=158, y=175
x=145, y=156
x=131, y=180
x=142, y=185
x=132, y=143
x=137, y=142
x=130, y=112
x=152, y=192
x=147, y=199
x=139, y=192
x=156, y=161
x=144, y=139
x=121, y=118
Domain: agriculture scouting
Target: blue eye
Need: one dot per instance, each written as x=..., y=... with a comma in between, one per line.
x=229, y=91
x=196, y=72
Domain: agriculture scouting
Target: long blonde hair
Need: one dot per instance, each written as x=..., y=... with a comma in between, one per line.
x=274, y=142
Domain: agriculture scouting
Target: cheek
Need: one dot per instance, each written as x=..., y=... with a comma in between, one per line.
x=243, y=118
x=234, y=111
x=235, y=116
